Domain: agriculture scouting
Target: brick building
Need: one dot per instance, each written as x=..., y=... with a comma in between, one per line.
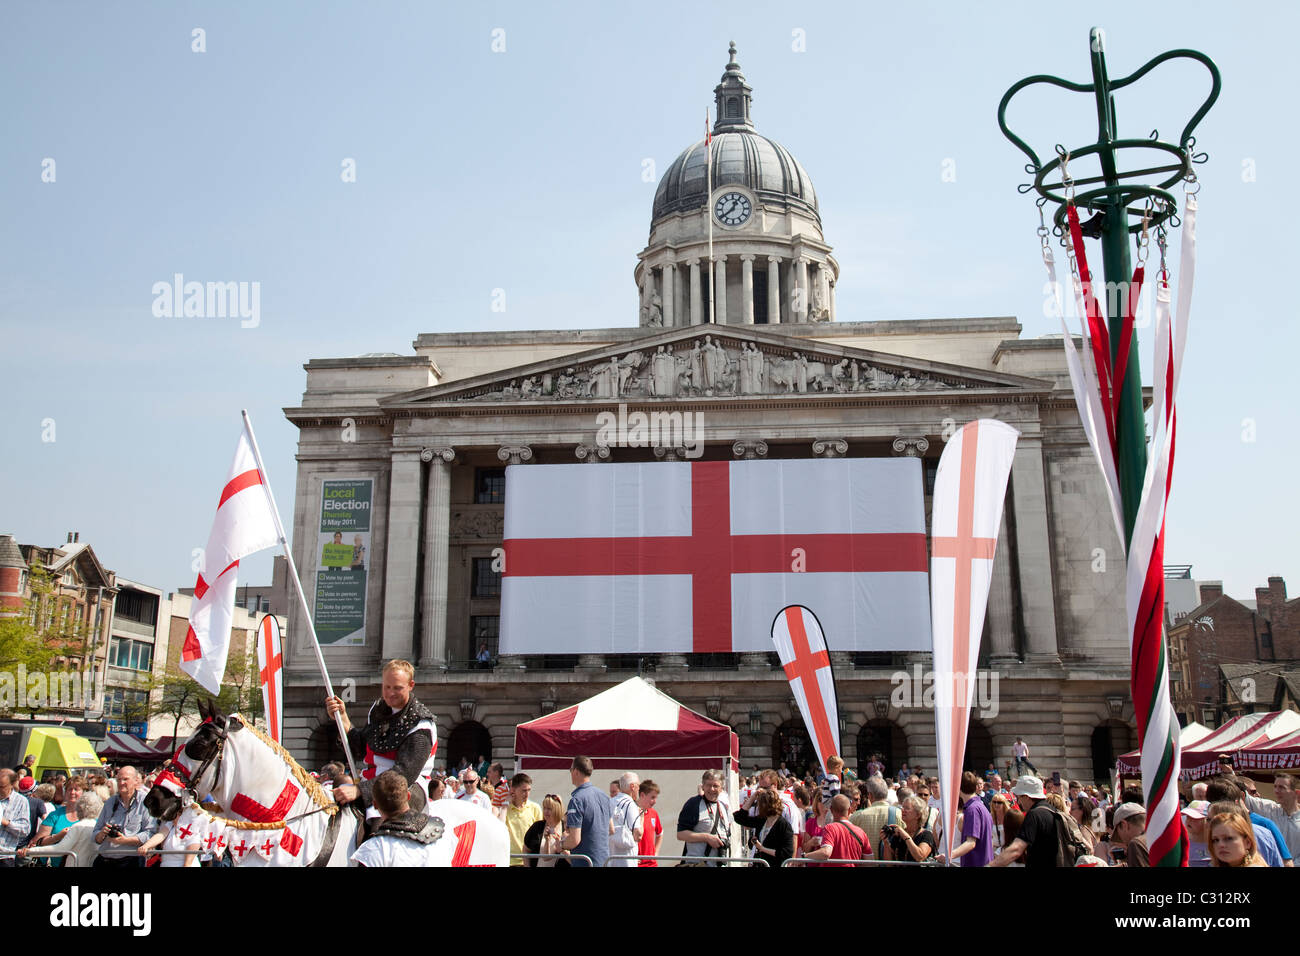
x=1229, y=658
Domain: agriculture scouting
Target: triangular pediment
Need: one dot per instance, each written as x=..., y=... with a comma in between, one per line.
x=714, y=362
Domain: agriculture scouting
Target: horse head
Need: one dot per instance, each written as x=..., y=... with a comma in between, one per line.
x=195, y=769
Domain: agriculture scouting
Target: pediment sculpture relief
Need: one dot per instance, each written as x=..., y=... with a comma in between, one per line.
x=705, y=368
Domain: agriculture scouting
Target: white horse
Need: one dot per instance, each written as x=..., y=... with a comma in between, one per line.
x=272, y=813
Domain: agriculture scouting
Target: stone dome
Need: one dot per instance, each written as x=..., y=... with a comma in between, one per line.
x=741, y=157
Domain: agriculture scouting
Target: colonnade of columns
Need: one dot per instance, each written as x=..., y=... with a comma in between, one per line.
x=808, y=286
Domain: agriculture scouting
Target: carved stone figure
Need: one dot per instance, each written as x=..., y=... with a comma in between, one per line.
x=663, y=374
x=656, y=310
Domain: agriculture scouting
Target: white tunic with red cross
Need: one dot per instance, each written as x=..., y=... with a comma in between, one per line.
x=376, y=762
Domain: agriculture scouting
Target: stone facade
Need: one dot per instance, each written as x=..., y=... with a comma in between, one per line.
x=774, y=377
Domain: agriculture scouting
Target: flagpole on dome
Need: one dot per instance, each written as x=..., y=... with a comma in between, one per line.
x=708, y=208
x=302, y=598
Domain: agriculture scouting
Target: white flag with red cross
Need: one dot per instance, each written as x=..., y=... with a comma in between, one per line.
x=244, y=525
x=270, y=674
x=801, y=646
x=698, y=557
x=967, y=511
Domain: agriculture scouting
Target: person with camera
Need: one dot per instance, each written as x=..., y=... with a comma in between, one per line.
x=910, y=841
x=704, y=825
x=124, y=824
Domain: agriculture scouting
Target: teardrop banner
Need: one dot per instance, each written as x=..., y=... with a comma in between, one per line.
x=270, y=674
x=801, y=646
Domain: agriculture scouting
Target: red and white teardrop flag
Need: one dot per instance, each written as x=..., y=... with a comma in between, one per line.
x=968, y=492
x=801, y=646
x=244, y=525
x=270, y=674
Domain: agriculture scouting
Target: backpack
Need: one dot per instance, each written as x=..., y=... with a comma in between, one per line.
x=1069, y=841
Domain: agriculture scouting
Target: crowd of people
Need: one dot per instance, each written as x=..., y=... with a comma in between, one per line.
x=820, y=819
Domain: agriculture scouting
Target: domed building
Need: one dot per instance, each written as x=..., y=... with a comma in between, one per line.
x=735, y=234
x=736, y=328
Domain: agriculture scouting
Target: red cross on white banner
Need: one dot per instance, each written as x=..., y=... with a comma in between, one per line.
x=714, y=555
x=801, y=646
x=241, y=849
x=270, y=664
x=969, y=489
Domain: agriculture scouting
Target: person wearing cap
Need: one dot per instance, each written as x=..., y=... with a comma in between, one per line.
x=1130, y=825
x=1194, y=815
x=1037, y=843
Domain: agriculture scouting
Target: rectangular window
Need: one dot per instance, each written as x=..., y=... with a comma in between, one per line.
x=484, y=633
x=485, y=583
x=489, y=486
x=133, y=655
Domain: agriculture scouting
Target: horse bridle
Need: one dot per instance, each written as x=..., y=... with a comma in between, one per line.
x=190, y=780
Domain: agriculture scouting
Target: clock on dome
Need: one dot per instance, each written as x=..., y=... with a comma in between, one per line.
x=733, y=208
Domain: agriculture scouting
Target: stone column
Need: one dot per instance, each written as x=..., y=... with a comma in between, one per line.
x=720, y=290
x=437, y=533
x=773, y=290
x=590, y=454
x=830, y=448
x=592, y=663
x=754, y=661
x=747, y=289
x=832, y=298
x=697, y=305
x=515, y=454
x=804, y=292
x=1034, y=549
x=403, y=553
x=1002, y=625
x=911, y=447
x=749, y=450
x=670, y=295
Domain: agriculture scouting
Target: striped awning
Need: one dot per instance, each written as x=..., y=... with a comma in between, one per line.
x=129, y=747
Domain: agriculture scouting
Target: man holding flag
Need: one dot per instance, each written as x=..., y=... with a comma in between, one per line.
x=399, y=735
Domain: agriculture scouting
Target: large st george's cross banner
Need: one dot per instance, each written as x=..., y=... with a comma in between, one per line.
x=699, y=557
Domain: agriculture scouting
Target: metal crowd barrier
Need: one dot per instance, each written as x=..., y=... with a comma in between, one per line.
x=804, y=861
x=553, y=856
x=42, y=853
x=694, y=859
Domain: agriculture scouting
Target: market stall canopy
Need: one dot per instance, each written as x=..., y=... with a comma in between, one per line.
x=1279, y=753
x=1200, y=757
x=130, y=747
x=631, y=724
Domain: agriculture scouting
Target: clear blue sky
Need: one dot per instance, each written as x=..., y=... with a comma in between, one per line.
x=522, y=170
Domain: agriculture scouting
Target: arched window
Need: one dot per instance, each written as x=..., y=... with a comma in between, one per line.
x=882, y=737
x=1109, y=739
x=979, y=749
x=469, y=739
x=792, y=746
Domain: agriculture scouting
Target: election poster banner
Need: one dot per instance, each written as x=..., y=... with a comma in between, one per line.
x=342, y=552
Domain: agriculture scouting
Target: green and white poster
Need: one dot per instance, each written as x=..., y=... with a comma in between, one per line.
x=344, y=550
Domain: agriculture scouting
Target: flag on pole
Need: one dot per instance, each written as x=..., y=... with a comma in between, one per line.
x=708, y=204
x=801, y=646
x=969, y=489
x=270, y=674
x=244, y=525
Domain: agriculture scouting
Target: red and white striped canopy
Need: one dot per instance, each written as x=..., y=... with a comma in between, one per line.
x=1249, y=731
x=631, y=723
x=129, y=747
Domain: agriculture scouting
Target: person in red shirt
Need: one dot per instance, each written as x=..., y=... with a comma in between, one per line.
x=652, y=828
x=841, y=840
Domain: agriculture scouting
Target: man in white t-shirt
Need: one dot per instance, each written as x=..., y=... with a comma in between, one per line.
x=625, y=820
x=472, y=793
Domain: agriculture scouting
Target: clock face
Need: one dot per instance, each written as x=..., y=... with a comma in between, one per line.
x=732, y=209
